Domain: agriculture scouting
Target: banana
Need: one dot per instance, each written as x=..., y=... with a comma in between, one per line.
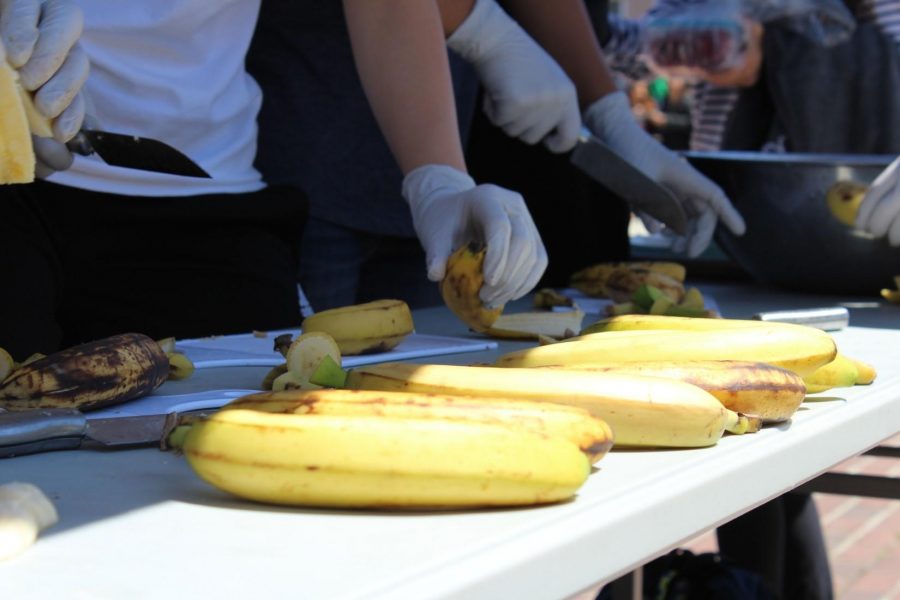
x=531, y=325
x=752, y=388
x=462, y=281
x=7, y=364
x=24, y=512
x=365, y=328
x=642, y=411
x=843, y=199
x=592, y=280
x=841, y=372
x=373, y=462
x=796, y=350
x=865, y=372
x=621, y=285
x=180, y=366
x=91, y=375
x=16, y=150
x=592, y=435
x=635, y=322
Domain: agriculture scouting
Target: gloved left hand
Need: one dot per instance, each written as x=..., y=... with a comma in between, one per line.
x=611, y=120
x=879, y=213
x=40, y=38
x=527, y=94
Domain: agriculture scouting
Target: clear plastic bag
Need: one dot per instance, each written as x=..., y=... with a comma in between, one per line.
x=688, y=38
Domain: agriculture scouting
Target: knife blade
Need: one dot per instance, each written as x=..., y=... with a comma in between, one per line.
x=43, y=430
x=604, y=165
x=133, y=152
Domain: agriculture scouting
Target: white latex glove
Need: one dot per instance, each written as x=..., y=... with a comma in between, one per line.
x=879, y=213
x=449, y=210
x=41, y=38
x=527, y=94
x=611, y=120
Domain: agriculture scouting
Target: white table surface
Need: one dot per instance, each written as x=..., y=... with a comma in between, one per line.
x=140, y=524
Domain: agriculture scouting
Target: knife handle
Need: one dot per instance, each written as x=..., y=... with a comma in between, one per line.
x=80, y=144
x=30, y=431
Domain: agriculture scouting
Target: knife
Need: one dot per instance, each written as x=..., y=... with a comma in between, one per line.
x=604, y=165
x=43, y=430
x=133, y=152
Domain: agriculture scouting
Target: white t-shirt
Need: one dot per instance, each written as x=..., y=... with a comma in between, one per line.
x=172, y=70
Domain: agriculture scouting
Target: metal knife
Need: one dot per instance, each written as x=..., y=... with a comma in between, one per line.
x=43, y=430
x=133, y=152
x=604, y=165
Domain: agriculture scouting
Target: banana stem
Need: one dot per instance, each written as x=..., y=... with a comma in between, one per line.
x=740, y=424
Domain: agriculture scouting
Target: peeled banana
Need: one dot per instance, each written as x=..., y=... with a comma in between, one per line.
x=365, y=328
x=634, y=322
x=374, y=462
x=798, y=350
x=592, y=435
x=87, y=376
x=752, y=388
x=642, y=411
x=461, y=284
x=16, y=151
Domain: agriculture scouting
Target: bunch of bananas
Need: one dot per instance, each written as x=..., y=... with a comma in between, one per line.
x=91, y=375
x=361, y=449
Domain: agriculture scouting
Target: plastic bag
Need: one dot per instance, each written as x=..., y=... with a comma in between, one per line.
x=689, y=38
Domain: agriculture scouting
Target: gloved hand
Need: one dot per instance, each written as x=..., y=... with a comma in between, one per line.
x=527, y=94
x=40, y=37
x=879, y=213
x=610, y=119
x=449, y=210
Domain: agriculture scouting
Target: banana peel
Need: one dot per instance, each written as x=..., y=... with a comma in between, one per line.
x=460, y=288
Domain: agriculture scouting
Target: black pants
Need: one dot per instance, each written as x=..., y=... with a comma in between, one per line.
x=80, y=265
x=782, y=542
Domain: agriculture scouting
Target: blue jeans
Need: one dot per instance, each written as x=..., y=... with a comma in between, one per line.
x=341, y=266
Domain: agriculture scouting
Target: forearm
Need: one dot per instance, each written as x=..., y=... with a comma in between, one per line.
x=564, y=29
x=399, y=49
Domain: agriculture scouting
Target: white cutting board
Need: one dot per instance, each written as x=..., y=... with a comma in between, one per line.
x=257, y=350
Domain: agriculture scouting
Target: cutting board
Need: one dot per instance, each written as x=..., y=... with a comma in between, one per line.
x=257, y=350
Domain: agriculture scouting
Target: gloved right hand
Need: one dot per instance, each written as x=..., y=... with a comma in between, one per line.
x=40, y=38
x=527, y=94
x=879, y=213
x=449, y=210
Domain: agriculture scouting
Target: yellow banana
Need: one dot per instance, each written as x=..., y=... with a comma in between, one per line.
x=642, y=411
x=91, y=375
x=592, y=280
x=797, y=350
x=592, y=435
x=752, y=388
x=637, y=322
x=841, y=372
x=24, y=511
x=865, y=372
x=16, y=150
x=356, y=461
x=365, y=328
x=180, y=366
x=462, y=281
x=7, y=364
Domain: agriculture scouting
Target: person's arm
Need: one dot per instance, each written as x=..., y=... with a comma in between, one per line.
x=399, y=49
x=402, y=62
x=564, y=29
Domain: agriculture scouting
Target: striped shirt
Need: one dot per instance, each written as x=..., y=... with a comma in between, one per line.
x=712, y=105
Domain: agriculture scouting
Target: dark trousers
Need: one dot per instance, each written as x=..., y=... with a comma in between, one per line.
x=80, y=265
x=782, y=542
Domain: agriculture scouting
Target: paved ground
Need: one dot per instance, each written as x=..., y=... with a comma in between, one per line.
x=863, y=536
